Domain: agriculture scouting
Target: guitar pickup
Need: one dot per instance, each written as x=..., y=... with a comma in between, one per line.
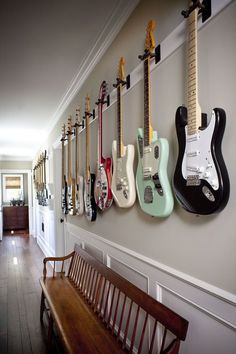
x=193, y=153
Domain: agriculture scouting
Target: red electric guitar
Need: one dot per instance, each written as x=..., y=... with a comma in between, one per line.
x=102, y=188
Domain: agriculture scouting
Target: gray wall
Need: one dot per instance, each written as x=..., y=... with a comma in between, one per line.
x=15, y=165
x=203, y=247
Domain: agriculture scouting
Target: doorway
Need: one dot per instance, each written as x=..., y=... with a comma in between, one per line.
x=15, y=202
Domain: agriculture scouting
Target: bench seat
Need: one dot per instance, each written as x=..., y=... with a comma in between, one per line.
x=96, y=310
x=80, y=329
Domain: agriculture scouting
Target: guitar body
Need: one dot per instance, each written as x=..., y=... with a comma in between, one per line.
x=64, y=197
x=123, y=182
x=154, y=192
x=79, y=196
x=201, y=181
x=71, y=197
x=102, y=189
x=89, y=201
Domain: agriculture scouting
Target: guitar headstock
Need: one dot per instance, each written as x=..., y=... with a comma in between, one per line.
x=87, y=106
x=69, y=125
x=77, y=116
x=150, y=41
x=64, y=131
x=103, y=92
x=121, y=69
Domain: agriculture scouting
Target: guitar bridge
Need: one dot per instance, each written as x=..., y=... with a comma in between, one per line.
x=148, y=195
x=193, y=180
x=140, y=146
x=157, y=183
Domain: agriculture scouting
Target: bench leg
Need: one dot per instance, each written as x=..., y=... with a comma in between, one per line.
x=42, y=307
x=50, y=329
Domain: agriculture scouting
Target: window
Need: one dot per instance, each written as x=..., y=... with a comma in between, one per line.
x=13, y=188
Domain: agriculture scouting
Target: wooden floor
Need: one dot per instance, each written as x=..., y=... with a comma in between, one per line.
x=20, y=270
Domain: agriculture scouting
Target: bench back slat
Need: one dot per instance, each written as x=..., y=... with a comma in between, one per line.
x=123, y=307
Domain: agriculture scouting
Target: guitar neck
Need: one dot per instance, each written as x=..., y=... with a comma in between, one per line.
x=63, y=163
x=100, y=105
x=76, y=154
x=119, y=123
x=69, y=159
x=147, y=118
x=194, y=111
x=87, y=147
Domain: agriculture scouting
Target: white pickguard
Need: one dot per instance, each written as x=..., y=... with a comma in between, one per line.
x=101, y=188
x=198, y=159
x=123, y=182
x=150, y=164
x=79, y=199
x=87, y=200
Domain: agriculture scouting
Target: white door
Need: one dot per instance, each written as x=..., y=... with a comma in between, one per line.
x=1, y=222
x=59, y=216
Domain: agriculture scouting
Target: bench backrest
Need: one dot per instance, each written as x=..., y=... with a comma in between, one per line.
x=138, y=321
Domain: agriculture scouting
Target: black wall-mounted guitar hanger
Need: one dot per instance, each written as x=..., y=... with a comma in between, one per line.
x=80, y=124
x=90, y=114
x=156, y=54
x=204, y=9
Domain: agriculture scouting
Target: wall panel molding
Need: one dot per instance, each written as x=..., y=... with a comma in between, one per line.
x=201, y=306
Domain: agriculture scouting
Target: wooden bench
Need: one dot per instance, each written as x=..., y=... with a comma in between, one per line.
x=95, y=310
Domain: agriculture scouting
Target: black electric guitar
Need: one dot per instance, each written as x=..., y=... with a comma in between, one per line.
x=89, y=200
x=70, y=179
x=64, y=204
x=201, y=181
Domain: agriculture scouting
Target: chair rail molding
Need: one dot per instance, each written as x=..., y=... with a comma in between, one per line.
x=201, y=303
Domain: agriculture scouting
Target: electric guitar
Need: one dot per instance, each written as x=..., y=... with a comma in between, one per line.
x=45, y=190
x=123, y=182
x=64, y=197
x=89, y=201
x=153, y=187
x=70, y=180
x=201, y=181
x=41, y=179
x=79, y=181
x=102, y=188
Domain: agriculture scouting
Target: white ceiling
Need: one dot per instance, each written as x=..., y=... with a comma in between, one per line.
x=46, y=47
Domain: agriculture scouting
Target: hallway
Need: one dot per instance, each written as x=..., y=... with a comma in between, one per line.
x=20, y=269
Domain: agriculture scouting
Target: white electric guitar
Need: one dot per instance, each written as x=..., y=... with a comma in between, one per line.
x=123, y=181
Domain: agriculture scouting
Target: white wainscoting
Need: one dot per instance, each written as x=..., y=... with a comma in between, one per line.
x=45, y=230
x=212, y=317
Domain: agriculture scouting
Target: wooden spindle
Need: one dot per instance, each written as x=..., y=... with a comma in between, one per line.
x=163, y=340
x=106, y=303
x=121, y=318
x=153, y=337
x=91, y=286
x=110, y=312
x=88, y=281
x=115, y=314
x=142, y=334
x=102, y=297
x=134, y=330
x=127, y=325
x=78, y=274
x=94, y=289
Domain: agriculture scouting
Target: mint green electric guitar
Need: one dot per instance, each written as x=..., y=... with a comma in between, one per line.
x=153, y=187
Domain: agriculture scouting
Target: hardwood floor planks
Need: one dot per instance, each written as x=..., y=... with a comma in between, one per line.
x=20, y=269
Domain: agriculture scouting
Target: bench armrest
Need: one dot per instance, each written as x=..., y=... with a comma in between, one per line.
x=54, y=260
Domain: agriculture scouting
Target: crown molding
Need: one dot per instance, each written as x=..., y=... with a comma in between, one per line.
x=119, y=16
